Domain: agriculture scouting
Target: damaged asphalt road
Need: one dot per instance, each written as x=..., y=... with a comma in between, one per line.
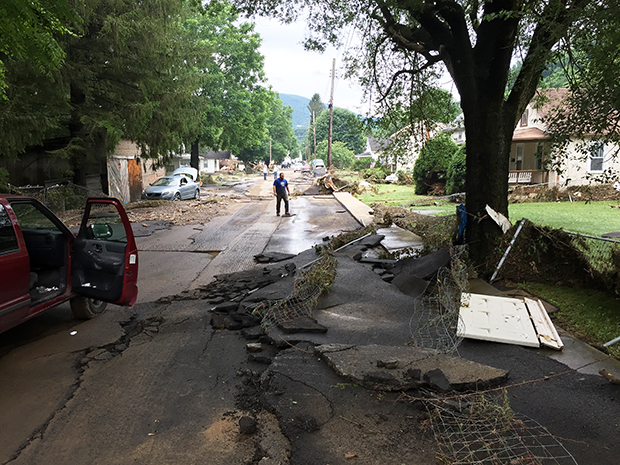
x=167, y=383
x=160, y=384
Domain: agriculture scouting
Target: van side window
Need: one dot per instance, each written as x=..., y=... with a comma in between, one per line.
x=8, y=239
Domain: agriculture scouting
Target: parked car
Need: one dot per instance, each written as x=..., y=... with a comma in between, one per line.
x=177, y=187
x=297, y=166
x=318, y=167
x=191, y=173
x=42, y=264
x=305, y=168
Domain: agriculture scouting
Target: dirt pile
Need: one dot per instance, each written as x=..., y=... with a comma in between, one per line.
x=555, y=194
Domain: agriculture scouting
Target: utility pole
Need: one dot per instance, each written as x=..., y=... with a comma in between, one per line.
x=331, y=117
x=314, y=130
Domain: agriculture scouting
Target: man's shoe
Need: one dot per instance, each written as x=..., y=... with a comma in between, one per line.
x=287, y=214
x=277, y=214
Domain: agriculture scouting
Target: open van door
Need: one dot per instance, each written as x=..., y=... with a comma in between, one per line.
x=104, y=262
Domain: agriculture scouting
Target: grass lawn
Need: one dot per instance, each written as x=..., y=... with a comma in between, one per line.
x=393, y=195
x=593, y=316
x=593, y=218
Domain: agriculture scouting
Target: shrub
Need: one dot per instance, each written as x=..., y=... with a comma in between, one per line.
x=432, y=164
x=403, y=178
x=456, y=172
x=362, y=163
x=376, y=175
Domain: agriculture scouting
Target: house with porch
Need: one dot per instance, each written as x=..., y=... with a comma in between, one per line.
x=531, y=150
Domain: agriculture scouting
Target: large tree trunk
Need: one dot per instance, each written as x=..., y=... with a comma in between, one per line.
x=194, y=160
x=488, y=149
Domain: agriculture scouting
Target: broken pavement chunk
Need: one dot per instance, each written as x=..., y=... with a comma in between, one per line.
x=423, y=267
x=253, y=347
x=372, y=241
x=417, y=368
x=390, y=364
x=304, y=324
x=397, y=238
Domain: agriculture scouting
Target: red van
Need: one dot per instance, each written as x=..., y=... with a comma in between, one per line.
x=43, y=264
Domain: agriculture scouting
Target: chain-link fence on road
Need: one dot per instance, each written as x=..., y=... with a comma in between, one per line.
x=436, y=312
x=307, y=289
x=483, y=429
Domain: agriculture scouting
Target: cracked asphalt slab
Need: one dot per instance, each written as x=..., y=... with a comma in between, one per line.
x=158, y=387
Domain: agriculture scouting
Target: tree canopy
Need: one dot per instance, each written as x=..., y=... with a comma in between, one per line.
x=346, y=127
x=279, y=140
x=316, y=106
x=406, y=43
x=29, y=31
x=161, y=73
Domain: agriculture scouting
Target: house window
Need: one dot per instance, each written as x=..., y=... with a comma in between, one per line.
x=524, y=118
x=539, y=156
x=597, y=150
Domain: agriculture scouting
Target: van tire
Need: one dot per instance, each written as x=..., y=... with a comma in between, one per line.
x=85, y=308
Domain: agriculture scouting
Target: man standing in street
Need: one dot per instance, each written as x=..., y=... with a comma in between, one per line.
x=281, y=191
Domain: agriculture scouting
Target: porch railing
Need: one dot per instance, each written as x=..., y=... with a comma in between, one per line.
x=527, y=176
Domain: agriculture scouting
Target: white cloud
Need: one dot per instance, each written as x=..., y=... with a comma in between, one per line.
x=292, y=70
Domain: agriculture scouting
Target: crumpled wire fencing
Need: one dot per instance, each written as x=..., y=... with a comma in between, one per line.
x=306, y=290
x=484, y=430
x=437, y=311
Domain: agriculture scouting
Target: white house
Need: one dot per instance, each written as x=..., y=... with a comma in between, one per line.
x=531, y=148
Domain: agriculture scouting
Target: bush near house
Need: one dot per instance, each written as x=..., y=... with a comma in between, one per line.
x=376, y=175
x=456, y=172
x=362, y=163
x=403, y=178
x=432, y=165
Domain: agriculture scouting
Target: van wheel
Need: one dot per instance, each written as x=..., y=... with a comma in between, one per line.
x=84, y=308
x=197, y=194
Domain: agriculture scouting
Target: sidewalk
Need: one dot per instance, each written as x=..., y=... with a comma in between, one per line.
x=357, y=208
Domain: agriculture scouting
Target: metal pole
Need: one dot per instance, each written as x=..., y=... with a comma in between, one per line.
x=514, y=238
x=613, y=341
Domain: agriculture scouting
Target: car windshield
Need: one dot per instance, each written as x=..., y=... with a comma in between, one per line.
x=164, y=182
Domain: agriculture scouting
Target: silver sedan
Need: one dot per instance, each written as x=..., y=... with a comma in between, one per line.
x=173, y=188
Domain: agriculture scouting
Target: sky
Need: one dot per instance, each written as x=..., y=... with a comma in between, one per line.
x=292, y=70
